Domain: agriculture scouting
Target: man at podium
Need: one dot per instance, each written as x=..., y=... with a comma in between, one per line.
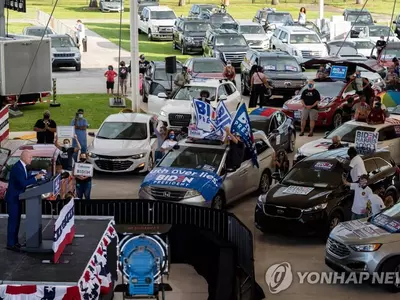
x=19, y=180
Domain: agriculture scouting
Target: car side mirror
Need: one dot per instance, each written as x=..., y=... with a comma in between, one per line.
x=276, y=176
x=222, y=98
x=91, y=134
x=284, y=41
x=162, y=95
x=326, y=133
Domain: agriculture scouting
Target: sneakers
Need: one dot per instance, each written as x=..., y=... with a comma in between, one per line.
x=310, y=134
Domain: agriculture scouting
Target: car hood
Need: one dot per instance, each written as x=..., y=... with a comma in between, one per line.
x=195, y=34
x=208, y=75
x=316, y=47
x=169, y=22
x=278, y=196
x=232, y=48
x=361, y=232
x=316, y=146
x=255, y=37
x=281, y=75
x=111, y=4
x=118, y=147
x=65, y=50
x=295, y=103
x=180, y=106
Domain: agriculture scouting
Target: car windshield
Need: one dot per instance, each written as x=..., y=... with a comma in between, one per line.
x=208, y=66
x=348, y=132
x=328, y=89
x=220, y=19
x=234, y=40
x=251, y=29
x=38, y=31
x=360, y=18
x=364, y=45
x=197, y=27
x=37, y=164
x=112, y=0
x=162, y=15
x=280, y=64
x=380, y=31
x=389, y=219
x=160, y=75
x=190, y=92
x=391, y=52
x=207, y=7
x=123, y=131
x=315, y=174
x=279, y=18
x=312, y=27
x=307, y=38
x=62, y=42
x=193, y=158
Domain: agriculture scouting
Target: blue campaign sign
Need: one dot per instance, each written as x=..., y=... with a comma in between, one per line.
x=338, y=72
x=57, y=185
x=201, y=180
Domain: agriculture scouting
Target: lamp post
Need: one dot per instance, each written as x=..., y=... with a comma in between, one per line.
x=321, y=10
x=134, y=34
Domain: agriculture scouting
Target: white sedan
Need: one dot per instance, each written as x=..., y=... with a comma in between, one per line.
x=388, y=137
x=177, y=112
x=125, y=142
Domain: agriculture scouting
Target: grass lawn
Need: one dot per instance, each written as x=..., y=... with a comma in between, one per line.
x=16, y=28
x=95, y=106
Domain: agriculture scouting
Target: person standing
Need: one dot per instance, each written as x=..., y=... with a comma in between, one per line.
x=258, y=86
x=229, y=72
x=80, y=33
x=302, y=16
x=123, y=78
x=391, y=79
x=362, y=194
x=110, y=74
x=360, y=82
x=83, y=183
x=182, y=78
x=309, y=99
x=357, y=167
x=161, y=135
x=45, y=129
x=143, y=64
x=81, y=125
x=67, y=153
x=380, y=45
x=19, y=180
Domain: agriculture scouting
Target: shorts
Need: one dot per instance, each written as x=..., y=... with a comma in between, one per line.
x=311, y=114
x=122, y=82
x=110, y=85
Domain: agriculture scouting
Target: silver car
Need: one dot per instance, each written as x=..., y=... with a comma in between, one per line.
x=111, y=5
x=38, y=31
x=368, y=245
x=236, y=183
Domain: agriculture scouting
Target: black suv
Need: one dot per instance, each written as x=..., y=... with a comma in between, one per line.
x=189, y=33
x=157, y=80
x=312, y=198
x=226, y=45
x=283, y=71
x=270, y=18
x=220, y=20
x=197, y=9
x=358, y=18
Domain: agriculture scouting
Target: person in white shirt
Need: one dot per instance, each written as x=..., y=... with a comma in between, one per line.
x=375, y=203
x=170, y=142
x=356, y=164
x=80, y=32
x=362, y=194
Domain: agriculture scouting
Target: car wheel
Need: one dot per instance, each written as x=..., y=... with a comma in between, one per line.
x=149, y=36
x=218, y=202
x=265, y=182
x=334, y=219
x=292, y=142
x=337, y=120
x=78, y=68
x=183, y=49
x=389, y=267
x=150, y=163
x=244, y=90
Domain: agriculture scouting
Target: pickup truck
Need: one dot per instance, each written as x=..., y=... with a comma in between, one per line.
x=157, y=22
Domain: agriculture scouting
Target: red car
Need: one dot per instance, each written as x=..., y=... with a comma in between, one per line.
x=44, y=158
x=334, y=94
x=205, y=67
x=391, y=51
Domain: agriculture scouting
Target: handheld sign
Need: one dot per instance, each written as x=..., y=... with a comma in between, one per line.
x=65, y=132
x=366, y=140
x=83, y=170
x=338, y=72
x=57, y=185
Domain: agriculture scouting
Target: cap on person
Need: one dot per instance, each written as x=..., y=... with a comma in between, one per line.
x=81, y=110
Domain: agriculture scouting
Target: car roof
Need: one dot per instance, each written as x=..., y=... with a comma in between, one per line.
x=297, y=29
x=129, y=117
x=248, y=23
x=273, y=53
x=58, y=35
x=193, y=19
x=206, y=5
x=159, y=8
x=204, y=82
x=37, y=150
x=225, y=31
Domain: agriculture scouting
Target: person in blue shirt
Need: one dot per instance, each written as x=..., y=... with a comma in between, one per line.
x=81, y=125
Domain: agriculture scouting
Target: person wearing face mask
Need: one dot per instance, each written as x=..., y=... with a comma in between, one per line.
x=143, y=64
x=81, y=125
x=362, y=194
x=205, y=96
x=380, y=45
x=67, y=153
x=309, y=99
x=170, y=142
x=19, y=179
x=83, y=183
x=359, y=82
x=377, y=114
x=391, y=79
x=229, y=72
x=110, y=74
x=45, y=129
x=336, y=143
x=182, y=78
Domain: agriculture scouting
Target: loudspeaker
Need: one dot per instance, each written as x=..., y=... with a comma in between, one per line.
x=170, y=64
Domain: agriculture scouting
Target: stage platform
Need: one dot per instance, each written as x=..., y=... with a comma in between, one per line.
x=27, y=268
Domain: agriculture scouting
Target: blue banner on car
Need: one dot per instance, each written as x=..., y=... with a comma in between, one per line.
x=338, y=72
x=201, y=180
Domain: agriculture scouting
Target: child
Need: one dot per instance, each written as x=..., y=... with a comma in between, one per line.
x=110, y=74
